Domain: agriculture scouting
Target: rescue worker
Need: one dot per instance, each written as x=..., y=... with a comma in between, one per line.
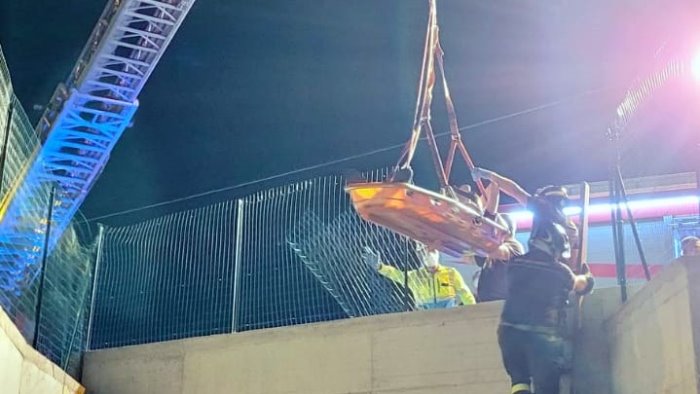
x=690, y=246
x=690, y=250
x=493, y=277
x=531, y=331
x=492, y=283
x=433, y=285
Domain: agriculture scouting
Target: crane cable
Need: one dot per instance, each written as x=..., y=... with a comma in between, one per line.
x=432, y=54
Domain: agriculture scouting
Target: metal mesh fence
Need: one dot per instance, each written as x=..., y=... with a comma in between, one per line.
x=18, y=144
x=301, y=257
x=22, y=142
x=275, y=288
x=65, y=307
x=642, y=89
x=284, y=256
x=332, y=251
x=21, y=255
x=5, y=94
x=60, y=334
x=62, y=322
x=166, y=278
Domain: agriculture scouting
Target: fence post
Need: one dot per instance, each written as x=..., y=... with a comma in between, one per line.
x=237, y=264
x=6, y=140
x=406, y=268
x=93, y=291
x=42, y=274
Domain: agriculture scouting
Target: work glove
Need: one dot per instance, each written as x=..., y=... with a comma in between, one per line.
x=480, y=173
x=371, y=258
x=590, y=281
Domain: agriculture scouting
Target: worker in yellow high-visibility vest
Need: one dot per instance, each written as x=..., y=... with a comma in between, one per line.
x=433, y=285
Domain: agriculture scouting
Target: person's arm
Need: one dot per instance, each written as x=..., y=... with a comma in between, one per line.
x=465, y=295
x=574, y=241
x=374, y=260
x=392, y=273
x=507, y=250
x=491, y=194
x=584, y=283
x=506, y=185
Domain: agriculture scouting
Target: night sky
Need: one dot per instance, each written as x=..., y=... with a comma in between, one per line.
x=251, y=89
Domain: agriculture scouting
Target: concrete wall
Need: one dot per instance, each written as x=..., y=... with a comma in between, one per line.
x=591, y=365
x=653, y=338
x=645, y=346
x=24, y=370
x=437, y=352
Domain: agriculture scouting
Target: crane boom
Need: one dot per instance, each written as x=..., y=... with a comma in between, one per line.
x=83, y=121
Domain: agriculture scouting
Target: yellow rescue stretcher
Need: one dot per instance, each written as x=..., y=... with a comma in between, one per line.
x=431, y=218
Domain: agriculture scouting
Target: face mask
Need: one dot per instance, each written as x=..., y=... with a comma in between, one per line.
x=432, y=259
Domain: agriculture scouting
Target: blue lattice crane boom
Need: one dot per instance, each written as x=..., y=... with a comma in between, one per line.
x=81, y=124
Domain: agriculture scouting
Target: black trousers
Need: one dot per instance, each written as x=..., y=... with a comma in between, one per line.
x=540, y=356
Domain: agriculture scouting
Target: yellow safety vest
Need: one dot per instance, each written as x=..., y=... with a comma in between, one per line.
x=431, y=287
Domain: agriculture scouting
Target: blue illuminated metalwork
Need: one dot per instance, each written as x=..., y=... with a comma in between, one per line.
x=82, y=123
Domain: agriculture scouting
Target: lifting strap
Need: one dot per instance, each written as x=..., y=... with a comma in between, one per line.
x=433, y=52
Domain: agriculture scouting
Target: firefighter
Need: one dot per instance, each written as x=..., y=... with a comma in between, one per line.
x=433, y=285
x=531, y=331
